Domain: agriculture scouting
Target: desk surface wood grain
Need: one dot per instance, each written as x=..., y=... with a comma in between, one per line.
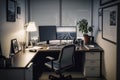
x=22, y=60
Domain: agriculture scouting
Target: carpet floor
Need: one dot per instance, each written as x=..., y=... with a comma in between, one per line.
x=75, y=76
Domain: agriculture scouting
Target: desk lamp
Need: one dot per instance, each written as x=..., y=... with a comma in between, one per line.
x=30, y=27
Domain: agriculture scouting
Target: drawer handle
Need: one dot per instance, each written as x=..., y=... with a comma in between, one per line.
x=29, y=65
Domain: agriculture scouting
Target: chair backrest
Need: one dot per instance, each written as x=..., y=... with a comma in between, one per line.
x=66, y=57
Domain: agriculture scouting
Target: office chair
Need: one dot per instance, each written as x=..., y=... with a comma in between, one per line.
x=64, y=62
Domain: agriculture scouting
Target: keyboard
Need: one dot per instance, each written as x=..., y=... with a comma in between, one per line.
x=55, y=47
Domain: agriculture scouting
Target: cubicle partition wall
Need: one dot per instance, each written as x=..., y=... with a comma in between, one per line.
x=66, y=33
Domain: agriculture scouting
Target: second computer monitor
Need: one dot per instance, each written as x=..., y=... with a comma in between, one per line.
x=66, y=33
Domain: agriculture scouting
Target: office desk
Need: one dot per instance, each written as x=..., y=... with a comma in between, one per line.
x=91, y=62
x=59, y=47
x=20, y=68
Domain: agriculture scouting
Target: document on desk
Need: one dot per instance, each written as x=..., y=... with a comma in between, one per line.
x=91, y=47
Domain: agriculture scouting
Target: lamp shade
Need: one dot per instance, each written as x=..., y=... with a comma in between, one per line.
x=31, y=27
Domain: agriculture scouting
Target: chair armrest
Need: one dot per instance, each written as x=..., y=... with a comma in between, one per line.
x=50, y=58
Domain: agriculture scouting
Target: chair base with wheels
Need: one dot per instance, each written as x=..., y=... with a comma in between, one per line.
x=62, y=77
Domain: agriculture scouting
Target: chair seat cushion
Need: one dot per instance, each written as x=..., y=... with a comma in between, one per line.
x=55, y=65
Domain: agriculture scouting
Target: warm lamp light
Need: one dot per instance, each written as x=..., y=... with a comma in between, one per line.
x=31, y=27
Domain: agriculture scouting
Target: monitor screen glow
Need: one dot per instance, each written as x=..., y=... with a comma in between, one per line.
x=66, y=33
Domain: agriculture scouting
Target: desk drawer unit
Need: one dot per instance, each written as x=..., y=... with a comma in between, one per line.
x=16, y=73
x=92, y=64
x=92, y=71
x=92, y=55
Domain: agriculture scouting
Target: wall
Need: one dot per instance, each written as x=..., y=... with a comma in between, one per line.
x=64, y=13
x=110, y=51
x=11, y=30
x=109, y=58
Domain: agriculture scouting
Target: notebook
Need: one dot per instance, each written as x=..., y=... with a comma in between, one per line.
x=92, y=47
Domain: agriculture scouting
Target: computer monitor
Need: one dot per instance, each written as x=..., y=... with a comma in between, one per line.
x=47, y=33
x=66, y=33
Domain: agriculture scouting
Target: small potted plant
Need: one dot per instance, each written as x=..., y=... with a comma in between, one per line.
x=84, y=28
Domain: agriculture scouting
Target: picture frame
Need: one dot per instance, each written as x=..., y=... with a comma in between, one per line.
x=109, y=23
x=11, y=10
x=103, y=2
x=14, y=46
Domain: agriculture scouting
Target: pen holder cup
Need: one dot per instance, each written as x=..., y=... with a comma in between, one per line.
x=23, y=48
